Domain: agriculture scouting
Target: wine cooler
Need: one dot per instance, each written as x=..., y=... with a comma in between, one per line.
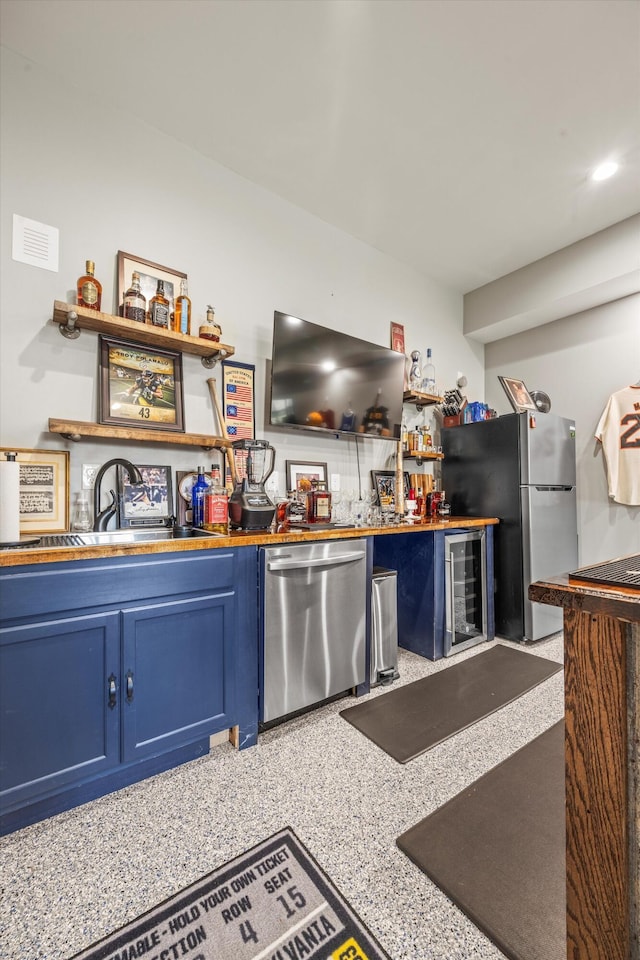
x=465, y=590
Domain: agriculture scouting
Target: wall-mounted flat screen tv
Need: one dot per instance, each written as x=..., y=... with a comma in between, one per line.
x=329, y=381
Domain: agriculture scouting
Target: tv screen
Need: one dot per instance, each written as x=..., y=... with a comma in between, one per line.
x=325, y=380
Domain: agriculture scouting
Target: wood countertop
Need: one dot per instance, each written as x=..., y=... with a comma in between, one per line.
x=240, y=538
x=580, y=595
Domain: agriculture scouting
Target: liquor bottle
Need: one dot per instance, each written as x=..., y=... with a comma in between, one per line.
x=182, y=310
x=159, y=308
x=89, y=289
x=318, y=503
x=429, y=375
x=135, y=303
x=216, y=505
x=198, y=492
x=209, y=329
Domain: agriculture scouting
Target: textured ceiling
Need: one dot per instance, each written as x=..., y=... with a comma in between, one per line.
x=455, y=135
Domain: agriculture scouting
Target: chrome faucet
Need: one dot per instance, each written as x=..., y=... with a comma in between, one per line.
x=101, y=518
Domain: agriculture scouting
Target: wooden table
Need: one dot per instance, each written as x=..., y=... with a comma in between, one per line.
x=602, y=732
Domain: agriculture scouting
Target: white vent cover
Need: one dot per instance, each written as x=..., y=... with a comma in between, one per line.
x=35, y=243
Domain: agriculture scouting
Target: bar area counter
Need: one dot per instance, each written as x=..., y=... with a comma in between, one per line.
x=237, y=538
x=602, y=732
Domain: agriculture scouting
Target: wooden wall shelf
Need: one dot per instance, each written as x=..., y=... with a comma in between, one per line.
x=75, y=430
x=421, y=399
x=71, y=318
x=422, y=455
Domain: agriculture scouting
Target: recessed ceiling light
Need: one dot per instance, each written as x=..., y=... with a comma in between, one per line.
x=605, y=170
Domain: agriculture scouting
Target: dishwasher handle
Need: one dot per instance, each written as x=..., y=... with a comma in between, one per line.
x=298, y=564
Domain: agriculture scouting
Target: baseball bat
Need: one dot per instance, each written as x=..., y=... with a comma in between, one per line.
x=211, y=383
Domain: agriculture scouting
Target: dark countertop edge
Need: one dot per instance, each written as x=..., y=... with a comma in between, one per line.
x=241, y=538
x=573, y=594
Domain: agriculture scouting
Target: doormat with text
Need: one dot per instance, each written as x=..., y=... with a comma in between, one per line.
x=273, y=902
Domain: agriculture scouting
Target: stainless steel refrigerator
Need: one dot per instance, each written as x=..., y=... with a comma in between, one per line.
x=522, y=469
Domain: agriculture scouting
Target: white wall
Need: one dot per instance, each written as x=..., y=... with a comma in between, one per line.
x=109, y=183
x=579, y=361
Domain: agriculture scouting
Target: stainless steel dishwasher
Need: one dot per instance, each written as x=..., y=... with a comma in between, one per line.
x=313, y=626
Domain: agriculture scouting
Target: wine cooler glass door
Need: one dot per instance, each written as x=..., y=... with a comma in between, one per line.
x=465, y=591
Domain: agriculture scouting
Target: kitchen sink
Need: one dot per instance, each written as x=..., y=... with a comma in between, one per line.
x=113, y=537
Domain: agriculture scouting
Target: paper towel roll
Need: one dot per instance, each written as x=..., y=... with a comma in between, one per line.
x=9, y=501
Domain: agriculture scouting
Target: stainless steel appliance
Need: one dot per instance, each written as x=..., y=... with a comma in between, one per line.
x=384, y=626
x=249, y=506
x=313, y=623
x=522, y=469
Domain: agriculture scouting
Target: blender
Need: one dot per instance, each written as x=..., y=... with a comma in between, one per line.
x=249, y=506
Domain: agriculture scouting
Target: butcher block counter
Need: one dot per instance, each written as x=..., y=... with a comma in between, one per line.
x=602, y=734
x=240, y=538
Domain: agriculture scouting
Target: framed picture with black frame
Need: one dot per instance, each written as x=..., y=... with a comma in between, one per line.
x=140, y=386
x=519, y=396
x=147, y=504
x=384, y=484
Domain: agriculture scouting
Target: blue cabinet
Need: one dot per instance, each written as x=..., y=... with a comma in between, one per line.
x=419, y=558
x=114, y=669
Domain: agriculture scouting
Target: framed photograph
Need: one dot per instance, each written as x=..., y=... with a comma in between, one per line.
x=397, y=337
x=140, y=386
x=44, y=489
x=148, y=504
x=518, y=394
x=384, y=484
x=300, y=475
x=149, y=274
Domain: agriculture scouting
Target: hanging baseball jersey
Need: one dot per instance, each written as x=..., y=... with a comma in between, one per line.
x=619, y=433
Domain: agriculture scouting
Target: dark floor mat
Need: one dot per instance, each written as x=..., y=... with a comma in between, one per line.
x=411, y=719
x=498, y=850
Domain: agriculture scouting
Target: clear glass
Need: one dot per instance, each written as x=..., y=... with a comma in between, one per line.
x=82, y=514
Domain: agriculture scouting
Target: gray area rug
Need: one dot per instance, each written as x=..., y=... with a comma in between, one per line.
x=497, y=849
x=273, y=902
x=411, y=719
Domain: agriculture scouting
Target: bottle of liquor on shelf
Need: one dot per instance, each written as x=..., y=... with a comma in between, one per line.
x=216, y=505
x=182, y=310
x=209, y=329
x=134, y=306
x=429, y=375
x=89, y=289
x=198, y=492
x=159, y=308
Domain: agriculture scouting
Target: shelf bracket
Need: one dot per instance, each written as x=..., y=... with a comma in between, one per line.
x=211, y=361
x=69, y=329
x=76, y=437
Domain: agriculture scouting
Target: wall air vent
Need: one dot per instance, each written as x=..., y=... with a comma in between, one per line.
x=35, y=243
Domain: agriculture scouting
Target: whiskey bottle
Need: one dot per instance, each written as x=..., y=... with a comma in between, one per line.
x=216, y=506
x=89, y=289
x=318, y=503
x=209, y=329
x=182, y=310
x=159, y=308
x=135, y=302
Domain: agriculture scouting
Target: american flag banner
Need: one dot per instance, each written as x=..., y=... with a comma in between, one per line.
x=238, y=404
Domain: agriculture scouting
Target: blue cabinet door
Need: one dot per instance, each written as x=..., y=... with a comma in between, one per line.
x=59, y=709
x=177, y=673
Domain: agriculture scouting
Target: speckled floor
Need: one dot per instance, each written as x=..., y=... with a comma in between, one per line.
x=70, y=880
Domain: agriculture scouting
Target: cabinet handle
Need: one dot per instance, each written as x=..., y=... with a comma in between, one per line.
x=129, y=686
x=112, y=691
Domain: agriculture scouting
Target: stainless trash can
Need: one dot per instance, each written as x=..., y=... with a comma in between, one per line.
x=384, y=626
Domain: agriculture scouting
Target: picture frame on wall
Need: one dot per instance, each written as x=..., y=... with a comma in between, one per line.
x=149, y=273
x=384, y=485
x=44, y=489
x=301, y=474
x=149, y=504
x=140, y=386
x=519, y=396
